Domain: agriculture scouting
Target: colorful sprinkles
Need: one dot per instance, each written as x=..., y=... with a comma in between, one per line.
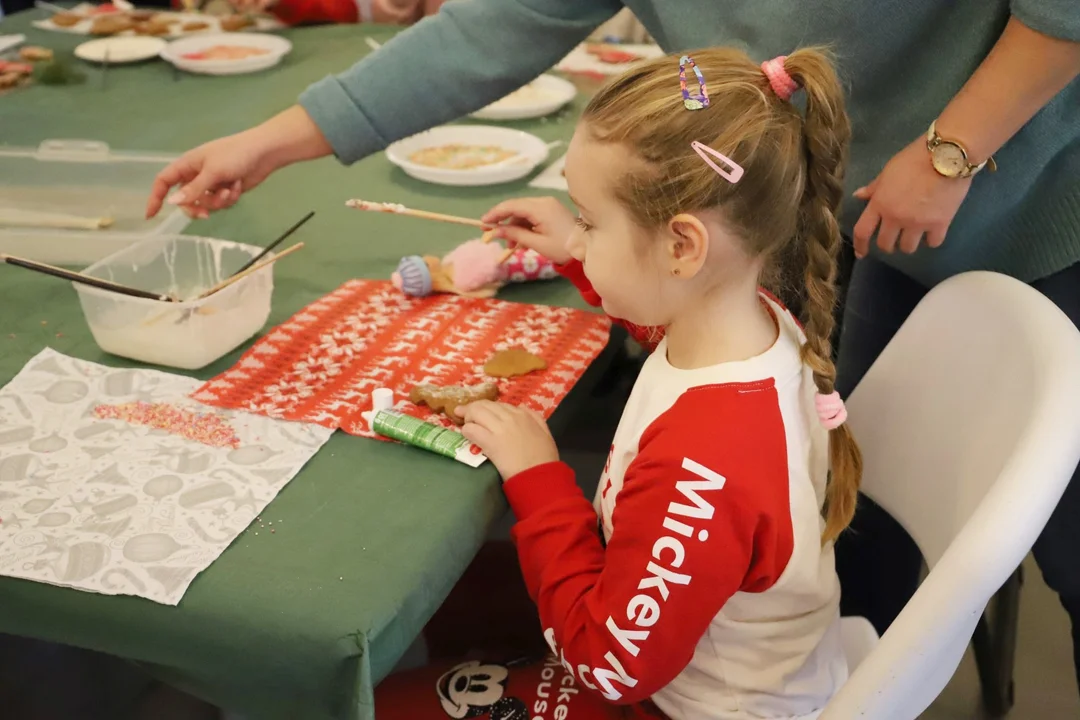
x=206, y=428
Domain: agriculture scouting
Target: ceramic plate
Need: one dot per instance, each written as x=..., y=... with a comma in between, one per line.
x=527, y=150
x=543, y=96
x=117, y=50
x=184, y=53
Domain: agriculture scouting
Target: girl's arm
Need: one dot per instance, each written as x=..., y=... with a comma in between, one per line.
x=465, y=56
x=703, y=513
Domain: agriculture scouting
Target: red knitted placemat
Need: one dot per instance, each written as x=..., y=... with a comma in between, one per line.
x=323, y=363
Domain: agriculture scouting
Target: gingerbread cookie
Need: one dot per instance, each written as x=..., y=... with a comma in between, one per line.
x=33, y=53
x=66, y=19
x=110, y=25
x=232, y=23
x=155, y=29
x=512, y=363
x=447, y=400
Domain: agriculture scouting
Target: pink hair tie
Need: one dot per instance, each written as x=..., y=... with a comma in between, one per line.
x=830, y=410
x=782, y=83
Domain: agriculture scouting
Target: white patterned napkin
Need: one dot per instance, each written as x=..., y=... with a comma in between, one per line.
x=119, y=508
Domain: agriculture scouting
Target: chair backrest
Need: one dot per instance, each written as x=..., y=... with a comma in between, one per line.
x=969, y=424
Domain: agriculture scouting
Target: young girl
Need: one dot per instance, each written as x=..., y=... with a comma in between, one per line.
x=700, y=584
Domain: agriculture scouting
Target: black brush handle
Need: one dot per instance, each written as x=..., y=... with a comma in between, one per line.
x=85, y=279
x=271, y=246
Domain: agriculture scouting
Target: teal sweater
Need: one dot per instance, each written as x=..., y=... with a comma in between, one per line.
x=901, y=60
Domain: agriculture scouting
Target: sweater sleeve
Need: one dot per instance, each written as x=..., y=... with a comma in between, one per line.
x=465, y=56
x=299, y=12
x=1056, y=18
x=702, y=514
x=647, y=337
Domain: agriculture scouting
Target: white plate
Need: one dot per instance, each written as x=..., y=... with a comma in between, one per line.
x=177, y=21
x=541, y=97
x=120, y=49
x=276, y=47
x=580, y=61
x=531, y=151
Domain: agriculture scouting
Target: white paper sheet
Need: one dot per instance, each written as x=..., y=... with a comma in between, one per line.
x=115, y=508
x=552, y=177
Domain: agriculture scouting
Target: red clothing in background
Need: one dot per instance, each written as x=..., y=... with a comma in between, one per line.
x=391, y=12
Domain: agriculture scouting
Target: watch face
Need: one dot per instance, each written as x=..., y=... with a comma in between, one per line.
x=948, y=159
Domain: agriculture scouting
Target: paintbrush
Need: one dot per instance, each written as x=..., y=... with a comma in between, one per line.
x=237, y=277
x=84, y=279
x=397, y=209
x=284, y=236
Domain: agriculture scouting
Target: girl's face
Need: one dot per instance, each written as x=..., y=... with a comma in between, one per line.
x=624, y=263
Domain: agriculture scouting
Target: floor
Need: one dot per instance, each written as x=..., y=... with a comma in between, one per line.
x=44, y=682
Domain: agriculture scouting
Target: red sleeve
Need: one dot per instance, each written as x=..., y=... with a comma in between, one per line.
x=703, y=513
x=300, y=12
x=647, y=337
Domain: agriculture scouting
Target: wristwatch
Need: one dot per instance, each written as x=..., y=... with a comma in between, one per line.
x=950, y=158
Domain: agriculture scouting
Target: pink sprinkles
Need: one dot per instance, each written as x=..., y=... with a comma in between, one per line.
x=205, y=428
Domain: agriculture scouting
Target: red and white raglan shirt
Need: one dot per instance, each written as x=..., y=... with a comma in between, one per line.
x=697, y=579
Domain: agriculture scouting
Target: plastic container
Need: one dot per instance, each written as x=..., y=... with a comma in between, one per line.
x=80, y=178
x=186, y=335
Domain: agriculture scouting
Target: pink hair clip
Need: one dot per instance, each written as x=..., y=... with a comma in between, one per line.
x=781, y=82
x=732, y=173
x=831, y=410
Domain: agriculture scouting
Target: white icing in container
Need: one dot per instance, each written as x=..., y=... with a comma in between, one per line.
x=186, y=335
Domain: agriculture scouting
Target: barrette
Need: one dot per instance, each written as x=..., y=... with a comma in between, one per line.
x=732, y=173
x=692, y=101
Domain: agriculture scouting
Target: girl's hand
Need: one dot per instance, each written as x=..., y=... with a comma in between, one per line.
x=540, y=224
x=907, y=200
x=515, y=440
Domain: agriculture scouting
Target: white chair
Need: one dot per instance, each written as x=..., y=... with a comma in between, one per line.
x=969, y=424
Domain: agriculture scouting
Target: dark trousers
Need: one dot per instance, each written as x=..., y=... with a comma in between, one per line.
x=878, y=563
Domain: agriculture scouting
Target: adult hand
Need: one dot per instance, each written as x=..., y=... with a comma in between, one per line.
x=540, y=224
x=515, y=440
x=212, y=176
x=906, y=201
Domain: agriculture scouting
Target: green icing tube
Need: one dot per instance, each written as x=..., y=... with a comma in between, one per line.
x=429, y=436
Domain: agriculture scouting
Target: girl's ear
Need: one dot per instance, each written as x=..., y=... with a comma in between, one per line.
x=687, y=245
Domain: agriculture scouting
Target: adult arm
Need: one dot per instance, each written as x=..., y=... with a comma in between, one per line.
x=1033, y=60
x=469, y=54
x=1037, y=55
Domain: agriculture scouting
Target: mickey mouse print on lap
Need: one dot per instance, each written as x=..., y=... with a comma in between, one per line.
x=531, y=690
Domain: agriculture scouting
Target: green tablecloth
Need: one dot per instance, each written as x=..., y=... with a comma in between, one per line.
x=304, y=622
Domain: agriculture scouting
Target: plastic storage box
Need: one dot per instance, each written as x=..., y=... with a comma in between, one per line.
x=84, y=179
x=187, y=335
